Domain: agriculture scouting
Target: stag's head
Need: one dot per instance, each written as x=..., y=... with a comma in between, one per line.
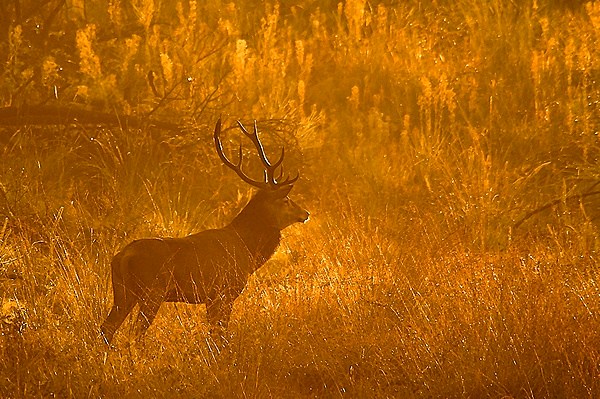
x=271, y=201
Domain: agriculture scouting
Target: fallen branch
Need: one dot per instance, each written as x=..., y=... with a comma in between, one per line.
x=73, y=113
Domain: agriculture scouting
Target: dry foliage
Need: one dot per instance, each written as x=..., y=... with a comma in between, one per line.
x=449, y=159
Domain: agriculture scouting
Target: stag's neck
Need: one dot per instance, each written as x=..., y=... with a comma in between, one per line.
x=261, y=239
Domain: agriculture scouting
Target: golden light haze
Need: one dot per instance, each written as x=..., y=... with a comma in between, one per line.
x=448, y=153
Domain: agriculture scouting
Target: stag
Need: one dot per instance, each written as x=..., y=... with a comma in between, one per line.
x=209, y=267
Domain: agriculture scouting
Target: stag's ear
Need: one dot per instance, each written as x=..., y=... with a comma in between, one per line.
x=282, y=192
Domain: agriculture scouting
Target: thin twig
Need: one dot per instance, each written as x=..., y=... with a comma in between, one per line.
x=554, y=203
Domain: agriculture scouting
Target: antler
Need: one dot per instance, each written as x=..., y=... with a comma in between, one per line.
x=270, y=181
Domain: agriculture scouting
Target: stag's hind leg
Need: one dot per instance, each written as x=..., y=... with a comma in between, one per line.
x=123, y=301
x=150, y=303
x=146, y=315
x=115, y=318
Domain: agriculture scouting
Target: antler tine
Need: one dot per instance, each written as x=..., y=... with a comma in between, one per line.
x=280, y=174
x=280, y=160
x=289, y=181
x=256, y=141
x=269, y=167
x=237, y=168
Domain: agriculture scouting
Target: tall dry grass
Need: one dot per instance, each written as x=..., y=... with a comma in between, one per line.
x=429, y=140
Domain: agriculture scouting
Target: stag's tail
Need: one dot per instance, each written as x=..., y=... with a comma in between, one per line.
x=118, y=267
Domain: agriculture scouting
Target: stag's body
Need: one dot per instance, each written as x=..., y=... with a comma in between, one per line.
x=210, y=267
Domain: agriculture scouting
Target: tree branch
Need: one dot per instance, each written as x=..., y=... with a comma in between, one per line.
x=74, y=113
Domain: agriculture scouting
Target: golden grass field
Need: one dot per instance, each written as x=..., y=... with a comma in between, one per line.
x=448, y=154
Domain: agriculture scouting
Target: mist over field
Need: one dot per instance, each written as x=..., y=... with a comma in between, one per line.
x=448, y=155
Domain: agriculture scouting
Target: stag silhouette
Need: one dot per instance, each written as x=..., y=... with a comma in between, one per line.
x=212, y=266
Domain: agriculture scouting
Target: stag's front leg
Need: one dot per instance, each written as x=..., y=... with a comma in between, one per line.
x=218, y=312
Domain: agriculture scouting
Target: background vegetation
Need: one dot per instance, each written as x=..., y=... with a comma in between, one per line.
x=448, y=153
